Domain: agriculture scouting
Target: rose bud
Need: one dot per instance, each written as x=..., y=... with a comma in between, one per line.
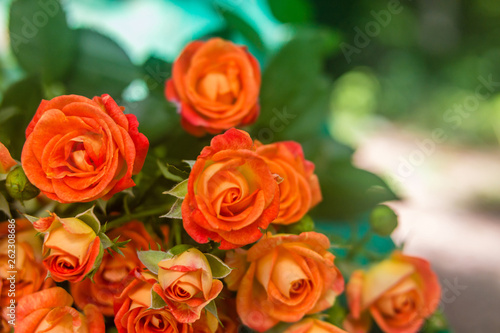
x=299, y=191
x=70, y=247
x=19, y=187
x=399, y=293
x=216, y=86
x=6, y=161
x=289, y=276
x=310, y=325
x=30, y=276
x=80, y=150
x=50, y=310
x=133, y=312
x=232, y=193
x=109, y=280
x=186, y=284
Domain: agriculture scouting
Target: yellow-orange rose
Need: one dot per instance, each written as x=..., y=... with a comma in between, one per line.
x=399, y=293
x=299, y=190
x=216, y=85
x=313, y=326
x=70, y=247
x=232, y=194
x=186, y=284
x=50, y=310
x=79, y=150
x=289, y=276
x=110, y=279
x=30, y=276
x=133, y=313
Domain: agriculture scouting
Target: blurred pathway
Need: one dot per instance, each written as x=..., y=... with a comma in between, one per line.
x=450, y=214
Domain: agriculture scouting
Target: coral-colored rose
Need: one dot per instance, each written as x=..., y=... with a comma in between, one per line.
x=186, y=284
x=70, y=247
x=399, y=293
x=109, y=280
x=6, y=161
x=216, y=86
x=79, y=150
x=310, y=325
x=50, y=310
x=289, y=276
x=299, y=190
x=232, y=194
x=30, y=276
x=237, y=260
x=133, y=313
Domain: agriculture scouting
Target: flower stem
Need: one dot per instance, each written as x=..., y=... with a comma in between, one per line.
x=129, y=217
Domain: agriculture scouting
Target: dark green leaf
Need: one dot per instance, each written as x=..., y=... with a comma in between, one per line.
x=40, y=38
x=212, y=308
x=291, y=11
x=171, y=172
x=90, y=219
x=101, y=67
x=4, y=205
x=237, y=23
x=175, y=212
x=178, y=249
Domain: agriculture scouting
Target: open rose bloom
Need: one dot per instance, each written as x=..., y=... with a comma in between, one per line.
x=313, y=326
x=289, y=276
x=216, y=85
x=50, y=311
x=232, y=193
x=398, y=293
x=79, y=150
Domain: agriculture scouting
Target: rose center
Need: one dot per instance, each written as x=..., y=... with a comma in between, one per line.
x=222, y=87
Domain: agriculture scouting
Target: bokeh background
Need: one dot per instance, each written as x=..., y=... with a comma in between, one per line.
x=408, y=90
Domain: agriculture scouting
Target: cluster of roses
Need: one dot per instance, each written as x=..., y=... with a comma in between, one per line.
x=80, y=150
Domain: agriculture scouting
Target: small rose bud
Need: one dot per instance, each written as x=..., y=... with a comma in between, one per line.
x=383, y=220
x=19, y=187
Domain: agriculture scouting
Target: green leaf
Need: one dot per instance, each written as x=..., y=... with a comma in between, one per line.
x=30, y=218
x=156, y=301
x=4, y=205
x=101, y=67
x=18, y=106
x=171, y=172
x=90, y=219
x=219, y=269
x=178, y=249
x=176, y=210
x=383, y=220
x=105, y=241
x=235, y=22
x=179, y=191
x=212, y=308
x=40, y=38
x=151, y=258
x=291, y=11
x=304, y=225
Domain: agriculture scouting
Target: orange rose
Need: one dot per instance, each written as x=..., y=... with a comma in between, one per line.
x=109, y=280
x=216, y=86
x=299, y=190
x=79, y=150
x=399, y=293
x=289, y=276
x=310, y=325
x=237, y=260
x=232, y=194
x=70, y=247
x=4, y=325
x=50, y=310
x=133, y=312
x=186, y=284
x=6, y=161
x=30, y=276
x=226, y=311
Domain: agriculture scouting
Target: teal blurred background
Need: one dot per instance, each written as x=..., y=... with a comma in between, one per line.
x=409, y=90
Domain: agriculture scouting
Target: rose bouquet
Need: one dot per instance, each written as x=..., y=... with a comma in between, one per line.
x=201, y=222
